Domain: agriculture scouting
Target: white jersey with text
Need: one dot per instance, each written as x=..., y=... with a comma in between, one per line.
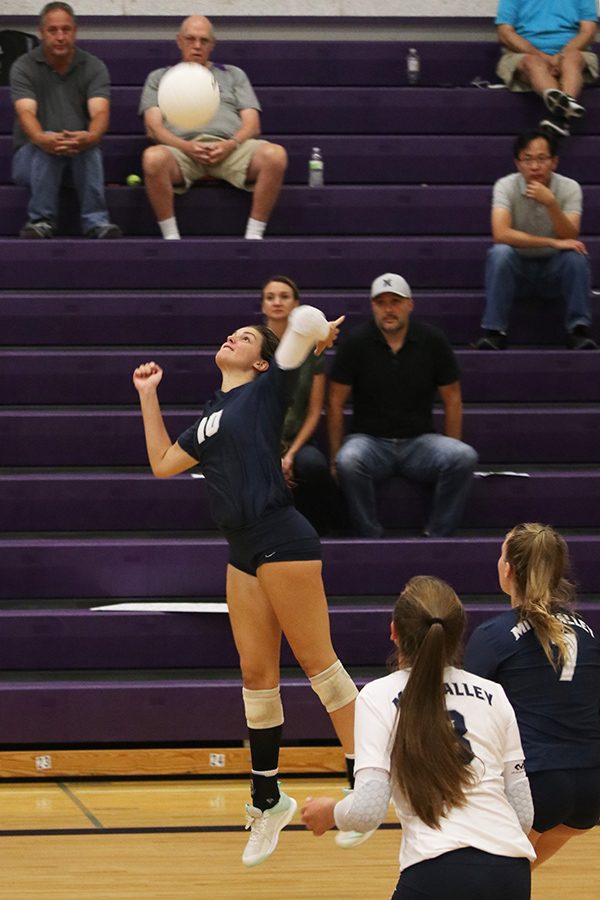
x=484, y=719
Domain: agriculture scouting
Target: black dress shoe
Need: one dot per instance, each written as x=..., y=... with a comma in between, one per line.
x=581, y=339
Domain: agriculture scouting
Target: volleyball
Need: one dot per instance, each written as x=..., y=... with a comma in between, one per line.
x=188, y=96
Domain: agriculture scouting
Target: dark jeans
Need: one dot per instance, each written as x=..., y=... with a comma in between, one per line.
x=316, y=495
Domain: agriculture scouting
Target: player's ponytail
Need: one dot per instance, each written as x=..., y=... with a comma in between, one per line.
x=539, y=559
x=430, y=763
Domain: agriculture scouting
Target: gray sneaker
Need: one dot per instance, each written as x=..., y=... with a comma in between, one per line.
x=557, y=102
x=555, y=126
x=575, y=110
x=37, y=230
x=265, y=827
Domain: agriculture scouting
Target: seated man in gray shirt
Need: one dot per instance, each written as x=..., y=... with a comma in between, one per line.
x=536, y=218
x=62, y=102
x=227, y=149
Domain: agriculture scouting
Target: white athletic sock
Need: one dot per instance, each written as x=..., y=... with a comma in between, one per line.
x=255, y=229
x=169, y=229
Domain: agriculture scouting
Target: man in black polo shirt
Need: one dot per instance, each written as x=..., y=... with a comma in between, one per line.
x=394, y=367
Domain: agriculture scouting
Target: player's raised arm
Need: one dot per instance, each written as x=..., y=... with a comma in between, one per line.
x=165, y=458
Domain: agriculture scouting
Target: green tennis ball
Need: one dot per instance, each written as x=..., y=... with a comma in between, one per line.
x=133, y=180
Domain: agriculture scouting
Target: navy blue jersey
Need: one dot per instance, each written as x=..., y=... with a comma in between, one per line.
x=237, y=442
x=558, y=713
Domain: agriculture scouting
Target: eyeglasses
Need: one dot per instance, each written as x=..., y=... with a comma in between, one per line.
x=529, y=160
x=191, y=41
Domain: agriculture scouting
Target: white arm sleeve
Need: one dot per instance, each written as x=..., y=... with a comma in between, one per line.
x=365, y=808
x=518, y=794
x=306, y=325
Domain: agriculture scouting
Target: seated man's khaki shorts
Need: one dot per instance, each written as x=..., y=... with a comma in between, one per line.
x=233, y=169
x=506, y=69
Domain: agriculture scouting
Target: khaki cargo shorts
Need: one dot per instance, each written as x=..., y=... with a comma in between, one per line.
x=233, y=169
x=506, y=69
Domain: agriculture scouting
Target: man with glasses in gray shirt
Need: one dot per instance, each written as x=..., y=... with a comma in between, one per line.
x=536, y=220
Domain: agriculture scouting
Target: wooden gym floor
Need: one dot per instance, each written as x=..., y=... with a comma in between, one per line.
x=182, y=840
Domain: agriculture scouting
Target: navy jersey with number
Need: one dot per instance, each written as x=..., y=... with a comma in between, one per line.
x=558, y=712
x=237, y=442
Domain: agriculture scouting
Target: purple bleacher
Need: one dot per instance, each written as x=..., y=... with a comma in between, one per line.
x=366, y=159
x=156, y=319
x=220, y=209
x=101, y=376
x=120, y=502
x=408, y=176
x=85, y=708
x=217, y=209
x=151, y=263
x=96, y=568
x=149, y=318
x=500, y=500
x=158, y=711
x=97, y=437
x=81, y=639
x=379, y=110
x=349, y=210
x=342, y=63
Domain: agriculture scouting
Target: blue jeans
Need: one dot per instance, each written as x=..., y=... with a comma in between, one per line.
x=364, y=460
x=509, y=275
x=43, y=174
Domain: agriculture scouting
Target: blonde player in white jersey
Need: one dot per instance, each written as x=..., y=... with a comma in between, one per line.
x=444, y=746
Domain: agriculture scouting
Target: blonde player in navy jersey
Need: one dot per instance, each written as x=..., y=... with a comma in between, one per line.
x=444, y=745
x=547, y=658
x=274, y=580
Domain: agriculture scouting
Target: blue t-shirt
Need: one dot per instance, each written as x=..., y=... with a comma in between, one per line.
x=558, y=713
x=547, y=24
x=237, y=442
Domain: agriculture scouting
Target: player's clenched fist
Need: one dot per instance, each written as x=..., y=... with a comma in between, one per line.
x=147, y=377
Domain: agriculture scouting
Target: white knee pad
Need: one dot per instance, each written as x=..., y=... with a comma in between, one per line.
x=334, y=687
x=263, y=708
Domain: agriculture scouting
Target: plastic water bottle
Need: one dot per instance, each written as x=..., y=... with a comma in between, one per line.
x=413, y=66
x=316, y=168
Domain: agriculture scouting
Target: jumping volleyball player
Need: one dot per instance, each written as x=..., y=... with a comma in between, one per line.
x=274, y=580
x=444, y=745
x=548, y=660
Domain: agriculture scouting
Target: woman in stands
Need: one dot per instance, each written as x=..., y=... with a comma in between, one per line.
x=444, y=745
x=274, y=580
x=305, y=467
x=548, y=660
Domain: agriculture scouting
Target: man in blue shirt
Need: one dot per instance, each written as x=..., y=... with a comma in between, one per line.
x=545, y=49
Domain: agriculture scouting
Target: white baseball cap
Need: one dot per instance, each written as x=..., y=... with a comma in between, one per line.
x=390, y=284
